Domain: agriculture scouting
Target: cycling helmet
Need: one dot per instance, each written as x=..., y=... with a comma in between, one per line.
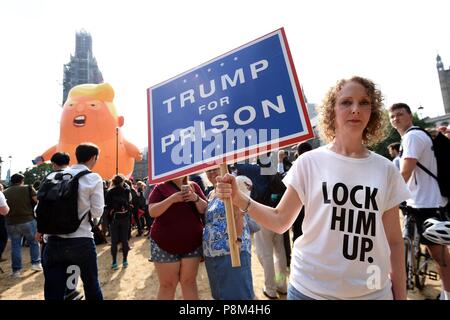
x=437, y=231
x=244, y=184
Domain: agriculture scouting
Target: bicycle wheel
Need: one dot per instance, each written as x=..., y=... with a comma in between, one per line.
x=421, y=268
x=409, y=263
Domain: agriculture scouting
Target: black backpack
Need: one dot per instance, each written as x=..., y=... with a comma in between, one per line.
x=272, y=192
x=441, y=149
x=57, y=209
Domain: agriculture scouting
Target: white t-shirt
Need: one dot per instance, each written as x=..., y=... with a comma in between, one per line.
x=334, y=188
x=2, y=200
x=396, y=161
x=424, y=188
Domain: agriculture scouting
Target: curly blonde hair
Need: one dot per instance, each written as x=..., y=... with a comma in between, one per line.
x=374, y=131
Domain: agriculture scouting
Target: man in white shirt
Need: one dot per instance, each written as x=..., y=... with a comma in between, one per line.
x=4, y=209
x=75, y=253
x=394, y=152
x=426, y=201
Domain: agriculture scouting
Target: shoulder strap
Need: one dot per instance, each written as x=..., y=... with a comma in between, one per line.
x=90, y=219
x=421, y=166
x=80, y=174
x=426, y=170
x=76, y=177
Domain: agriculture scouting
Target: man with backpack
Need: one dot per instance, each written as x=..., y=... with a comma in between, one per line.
x=70, y=249
x=419, y=168
x=60, y=161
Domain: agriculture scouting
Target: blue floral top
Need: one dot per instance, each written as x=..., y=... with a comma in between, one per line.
x=215, y=236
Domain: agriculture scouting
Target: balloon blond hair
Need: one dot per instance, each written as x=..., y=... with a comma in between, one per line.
x=103, y=92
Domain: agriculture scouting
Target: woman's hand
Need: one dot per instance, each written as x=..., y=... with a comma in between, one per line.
x=190, y=196
x=227, y=188
x=177, y=197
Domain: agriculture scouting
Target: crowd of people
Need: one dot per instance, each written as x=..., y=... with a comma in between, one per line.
x=341, y=201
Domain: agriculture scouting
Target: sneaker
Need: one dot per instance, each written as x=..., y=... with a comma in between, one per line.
x=125, y=264
x=114, y=266
x=15, y=274
x=269, y=296
x=36, y=267
x=282, y=291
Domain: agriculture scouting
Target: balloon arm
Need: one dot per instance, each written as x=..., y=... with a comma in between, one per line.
x=49, y=153
x=132, y=150
x=120, y=121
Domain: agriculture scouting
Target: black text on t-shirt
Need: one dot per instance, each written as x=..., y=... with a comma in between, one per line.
x=356, y=219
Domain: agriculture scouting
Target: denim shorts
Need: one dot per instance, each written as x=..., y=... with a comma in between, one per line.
x=227, y=282
x=294, y=294
x=159, y=255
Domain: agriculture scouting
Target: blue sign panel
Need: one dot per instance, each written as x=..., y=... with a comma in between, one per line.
x=238, y=105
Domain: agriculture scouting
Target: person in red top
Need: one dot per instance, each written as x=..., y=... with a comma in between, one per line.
x=176, y=236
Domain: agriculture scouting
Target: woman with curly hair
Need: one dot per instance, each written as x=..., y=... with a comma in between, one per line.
x=351, y=247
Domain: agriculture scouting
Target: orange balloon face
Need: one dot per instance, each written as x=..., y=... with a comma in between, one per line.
x=84, y=117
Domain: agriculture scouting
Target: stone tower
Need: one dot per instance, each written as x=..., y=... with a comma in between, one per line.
x=444, y=80
x=82, y=67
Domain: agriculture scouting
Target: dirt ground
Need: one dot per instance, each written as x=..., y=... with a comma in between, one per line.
x=137, y=282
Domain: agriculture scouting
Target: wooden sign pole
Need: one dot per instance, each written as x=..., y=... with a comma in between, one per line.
x=231, y=226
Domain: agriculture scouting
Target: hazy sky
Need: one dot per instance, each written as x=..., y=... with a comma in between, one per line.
x=140, y=43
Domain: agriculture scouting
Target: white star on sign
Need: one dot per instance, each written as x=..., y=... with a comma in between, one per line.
x=209, y=70
x=222, y=64
x=235, y=58
x=196, y=75
x=184, y=81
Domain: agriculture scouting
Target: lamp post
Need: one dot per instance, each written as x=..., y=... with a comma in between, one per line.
x=420, y=110
x=117, y=150
x=9, y=170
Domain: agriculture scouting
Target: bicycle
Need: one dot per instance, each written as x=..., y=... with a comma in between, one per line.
x=417, y=260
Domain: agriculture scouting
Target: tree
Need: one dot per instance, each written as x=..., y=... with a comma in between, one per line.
x=393, y=136
x=37, y=173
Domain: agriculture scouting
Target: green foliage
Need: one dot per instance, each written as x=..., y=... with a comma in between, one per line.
x=37, y=173
x=393, y=136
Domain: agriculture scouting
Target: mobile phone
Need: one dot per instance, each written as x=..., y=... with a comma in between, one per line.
x=185, y=188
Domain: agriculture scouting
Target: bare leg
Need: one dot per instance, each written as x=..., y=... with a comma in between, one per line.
x=440, y=254
x=168, y=276
x=188, y=278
